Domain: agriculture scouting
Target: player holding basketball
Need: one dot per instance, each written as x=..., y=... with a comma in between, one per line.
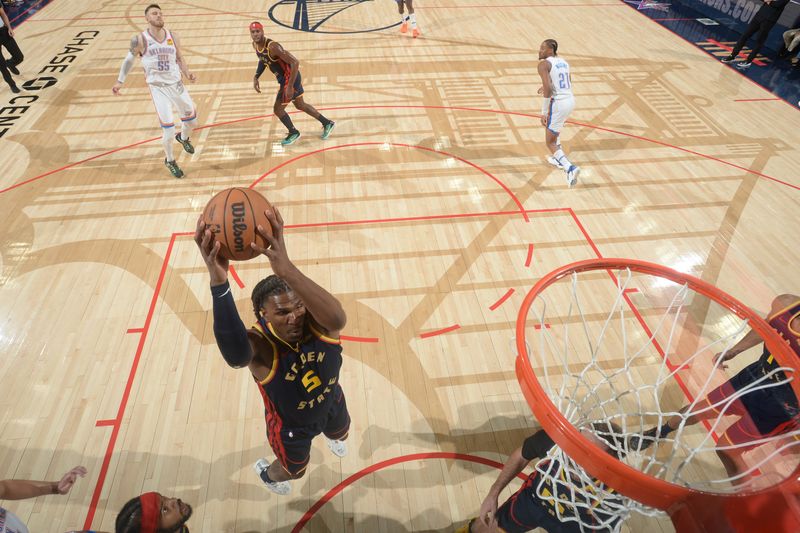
x=293, y=352
x=557, y=106
x=412, y=17
x=765, y=412
x=526, y=509
x=286, y=68
x=163, y=64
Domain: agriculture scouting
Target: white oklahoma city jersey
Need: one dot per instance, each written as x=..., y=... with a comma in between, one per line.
x=160, y=60
x=9, y=523
x=560, y=81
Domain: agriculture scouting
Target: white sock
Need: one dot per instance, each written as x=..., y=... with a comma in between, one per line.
x=186, y=129
x=403, y=18
x=413, y=17
x=561, y=157
x=167, y=138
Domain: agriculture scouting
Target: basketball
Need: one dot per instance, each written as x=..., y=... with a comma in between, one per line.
x=233, y=215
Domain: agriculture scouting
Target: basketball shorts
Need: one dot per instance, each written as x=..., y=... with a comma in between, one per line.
x=764, y=412
x=298, y=89
x=558, y=113
x=292, y=445
x=524, y=511
x=167, y=96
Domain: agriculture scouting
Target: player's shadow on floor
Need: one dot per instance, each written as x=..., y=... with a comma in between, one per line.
x=335, y=521
x=499, y=434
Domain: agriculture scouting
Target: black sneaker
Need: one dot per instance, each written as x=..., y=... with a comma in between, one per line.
x=14, y=70
x=186, y=144
x=744, y=64
x=728, y=59
x=174, y=169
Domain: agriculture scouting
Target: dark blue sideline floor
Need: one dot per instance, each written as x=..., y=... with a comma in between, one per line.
x=778, y=76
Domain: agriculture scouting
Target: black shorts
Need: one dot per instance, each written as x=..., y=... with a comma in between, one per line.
x=524, y=511
x=292, y=445
x=298, y=89
x=763, y=412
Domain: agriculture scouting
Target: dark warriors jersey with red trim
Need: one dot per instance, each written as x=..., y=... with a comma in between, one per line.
x=782, y=323
x=561, y=499
x=276, y=65
x=299, y=388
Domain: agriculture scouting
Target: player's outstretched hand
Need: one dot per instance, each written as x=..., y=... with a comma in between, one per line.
x=256, y=85
x=209, y=249
x=722, y=357
x=68, y=480
x=191, y=76
x=276, y=251
x=115, y=89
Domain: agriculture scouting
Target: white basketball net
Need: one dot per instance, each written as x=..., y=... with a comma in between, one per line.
x=610, y=385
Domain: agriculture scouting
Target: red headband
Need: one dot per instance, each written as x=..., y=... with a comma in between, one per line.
x=151, y=503
x=256, y=25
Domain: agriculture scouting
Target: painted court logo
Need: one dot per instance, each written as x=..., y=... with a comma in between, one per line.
x=332, y=16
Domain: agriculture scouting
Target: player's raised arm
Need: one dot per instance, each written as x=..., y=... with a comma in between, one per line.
x=229, y=329
x=323, y=306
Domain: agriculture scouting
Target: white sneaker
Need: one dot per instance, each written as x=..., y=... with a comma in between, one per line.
x=338, y=447
x=278, y=487
x=553, y=161
x=572, y=175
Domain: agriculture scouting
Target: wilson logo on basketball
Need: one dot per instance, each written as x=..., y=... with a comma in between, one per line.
x=239, y=225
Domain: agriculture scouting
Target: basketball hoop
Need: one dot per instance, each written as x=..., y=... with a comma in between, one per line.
x=650, y=334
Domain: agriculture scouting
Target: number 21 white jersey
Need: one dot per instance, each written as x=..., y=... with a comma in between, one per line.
x=560, y=80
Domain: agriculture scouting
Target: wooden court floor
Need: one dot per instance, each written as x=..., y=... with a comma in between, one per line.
x=429, y=212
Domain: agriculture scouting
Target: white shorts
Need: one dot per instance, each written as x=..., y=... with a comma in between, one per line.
x=559, y=113
x=165, y=96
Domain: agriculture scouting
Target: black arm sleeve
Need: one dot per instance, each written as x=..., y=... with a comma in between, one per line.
x=260, y=69
x=229, y=329
x=537, y=445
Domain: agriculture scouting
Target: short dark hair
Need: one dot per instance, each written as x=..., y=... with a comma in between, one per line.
x=151, y=6
x=552, y=44
x=269, y=286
